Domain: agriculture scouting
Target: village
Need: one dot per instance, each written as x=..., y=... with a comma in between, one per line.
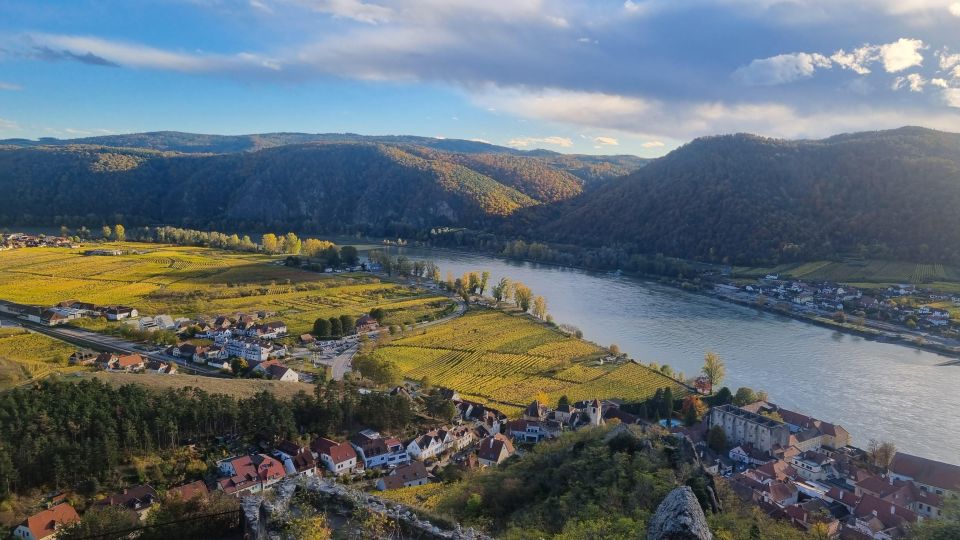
x=898, y=312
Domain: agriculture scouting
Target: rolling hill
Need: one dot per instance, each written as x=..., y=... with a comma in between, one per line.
x=375, y=187
x=740, y=199
x=747, y=199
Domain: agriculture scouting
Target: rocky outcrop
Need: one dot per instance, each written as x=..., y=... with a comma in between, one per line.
x=679, y=517
x=260, y=512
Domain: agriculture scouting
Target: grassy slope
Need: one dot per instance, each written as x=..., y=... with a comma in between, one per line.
x=187, y=281
x=239, y=388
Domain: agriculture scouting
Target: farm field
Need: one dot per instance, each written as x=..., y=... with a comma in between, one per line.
x=194, y=281
x=856, y=271
x=510, y=360
x=26, y=356
x=239, y=388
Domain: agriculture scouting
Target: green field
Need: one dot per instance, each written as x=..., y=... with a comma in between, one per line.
x=869, y=273
x=510, y=360
x=193, y=281
x=26, y=356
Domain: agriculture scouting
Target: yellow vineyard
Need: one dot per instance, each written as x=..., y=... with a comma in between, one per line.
x=509, y=360
x=194, y=281
x=27, y=356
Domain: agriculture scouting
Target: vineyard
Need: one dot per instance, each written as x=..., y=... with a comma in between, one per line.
x=862, y=271
x=427, y=496
x=193, y=281
x=509, y=360
x=26, y=356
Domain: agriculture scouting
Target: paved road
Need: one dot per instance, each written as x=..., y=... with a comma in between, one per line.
x=103, y=342
x=340, y=366
x=342, y=363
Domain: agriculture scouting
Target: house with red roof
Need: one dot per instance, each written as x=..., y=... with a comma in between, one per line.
x=412, y=474
x=929, y=475
x=494, y=450
x=337, y=457
x=189, y=492
x=296, y=459
x=249, y=474
x=45, y=524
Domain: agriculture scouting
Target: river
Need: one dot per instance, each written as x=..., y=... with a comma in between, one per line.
x=874, y=390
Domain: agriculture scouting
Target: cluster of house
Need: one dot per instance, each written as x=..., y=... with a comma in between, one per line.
x=21, y=240
x=803, y=470
x=138, y=500
x=130, y=363
x=539, y=422
x=828, y=296
x=66, y=311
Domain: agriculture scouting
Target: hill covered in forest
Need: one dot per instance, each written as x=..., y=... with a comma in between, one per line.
x=747, y=199
x=375, y=187
x=739, y=199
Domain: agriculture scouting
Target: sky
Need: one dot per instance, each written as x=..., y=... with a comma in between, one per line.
x=586, y=76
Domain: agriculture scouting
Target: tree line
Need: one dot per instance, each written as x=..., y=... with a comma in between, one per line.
x=59, y=434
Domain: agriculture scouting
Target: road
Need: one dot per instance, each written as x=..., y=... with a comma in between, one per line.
x=342, y=363
x=103, y=342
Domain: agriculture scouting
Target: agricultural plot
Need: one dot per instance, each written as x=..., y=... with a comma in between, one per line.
x=507, y=361
x=26, y=356
x=192, y=281
x=427, y=496
x=867, y=272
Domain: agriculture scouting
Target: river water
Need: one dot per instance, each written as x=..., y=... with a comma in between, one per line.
x=874, y=390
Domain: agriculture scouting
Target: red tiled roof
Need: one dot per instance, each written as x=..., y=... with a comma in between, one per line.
x=405, y=473
x=927, y=471
x=45, y=523
x=338, y=452
x=890, y=514
x=129, y=360
x=492, y=448
x=189, y=491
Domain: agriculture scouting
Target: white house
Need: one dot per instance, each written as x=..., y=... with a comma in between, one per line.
x=338, y=458
x=45, y=524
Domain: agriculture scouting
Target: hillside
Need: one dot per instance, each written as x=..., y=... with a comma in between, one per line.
x=585, y=167
x=746, y=199
x=379, y=188
x=594, y=483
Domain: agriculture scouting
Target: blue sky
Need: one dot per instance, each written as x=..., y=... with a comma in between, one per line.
x=640, y=77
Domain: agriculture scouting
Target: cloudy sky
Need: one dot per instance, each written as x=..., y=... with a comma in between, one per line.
x=640, y=76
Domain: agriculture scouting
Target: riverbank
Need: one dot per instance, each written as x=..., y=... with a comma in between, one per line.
x=866, y=333
x=917, y=341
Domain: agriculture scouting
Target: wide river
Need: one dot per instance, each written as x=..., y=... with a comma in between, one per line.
x=875, y=390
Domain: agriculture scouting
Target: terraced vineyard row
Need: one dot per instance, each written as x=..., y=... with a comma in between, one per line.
x=466, y=354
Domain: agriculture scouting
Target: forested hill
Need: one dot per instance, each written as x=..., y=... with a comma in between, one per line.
x=747, y=199
x=330, y=187
x=585, y=167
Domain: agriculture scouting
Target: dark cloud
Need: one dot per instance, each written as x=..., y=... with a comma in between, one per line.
x=50, y=55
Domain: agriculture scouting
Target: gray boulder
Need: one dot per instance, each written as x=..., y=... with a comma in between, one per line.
x=679, y=517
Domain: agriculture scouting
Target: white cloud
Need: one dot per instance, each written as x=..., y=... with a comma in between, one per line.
x=652, y=144
x=955, y=9
x=782, y=68
x=527, y=142
x=606, y=141
x=351, y=9
x=939, y=83
x=10, y=86
x=902, y=54
x=952, y=97
x=897, y=56
x=640, y=6
x=914, y=81
x=8, y=125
